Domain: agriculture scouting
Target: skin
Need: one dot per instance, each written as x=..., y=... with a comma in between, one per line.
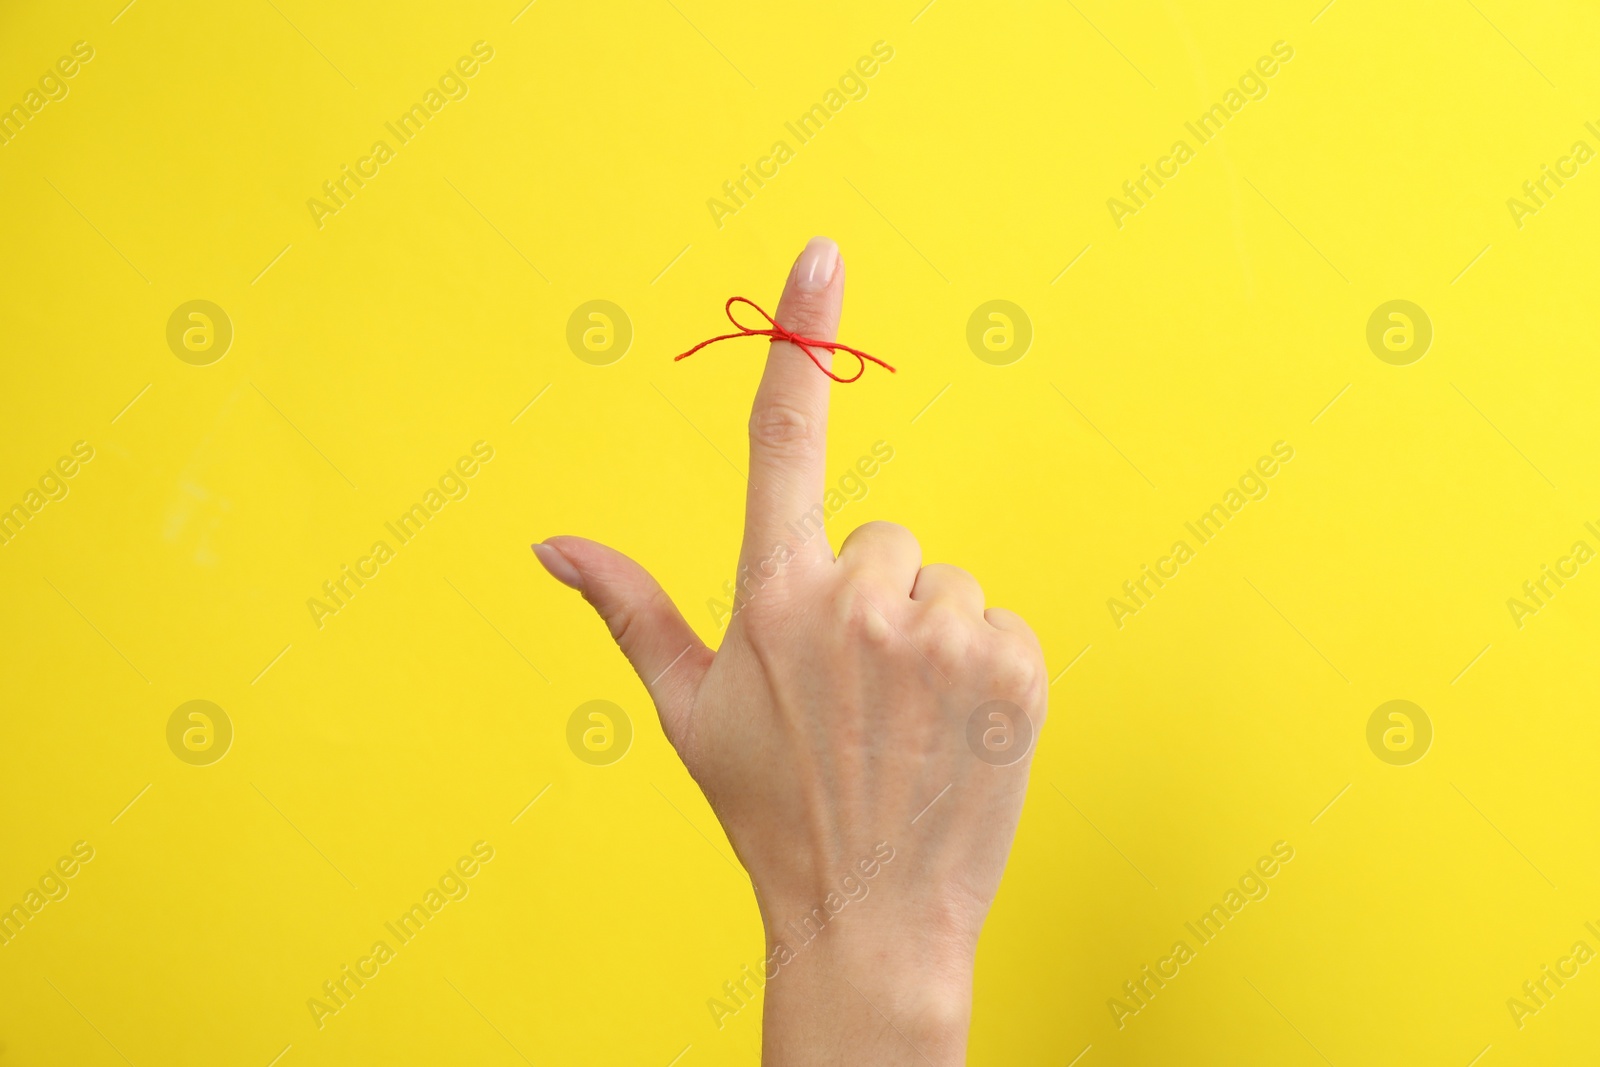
x=830, y=730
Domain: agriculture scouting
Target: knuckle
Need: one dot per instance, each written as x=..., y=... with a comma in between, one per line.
x=945, y=637
x=874, y=631
x=627, y=620
x=785, y=428
x=880, y=536
x=882, y=528
x=859, y=611
x=1016, y=672
x=1025, y=631
x=1015, y=626
x=893, y=531
x=951, y=573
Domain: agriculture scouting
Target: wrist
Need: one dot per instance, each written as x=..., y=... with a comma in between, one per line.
x=866, y=983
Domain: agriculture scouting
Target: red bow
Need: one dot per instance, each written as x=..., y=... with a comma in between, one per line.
x=778, y=333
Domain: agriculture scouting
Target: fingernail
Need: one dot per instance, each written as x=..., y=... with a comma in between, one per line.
x=559, y=566
x=814, y=269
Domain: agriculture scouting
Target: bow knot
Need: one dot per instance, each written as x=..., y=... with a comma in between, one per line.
x=779, y=333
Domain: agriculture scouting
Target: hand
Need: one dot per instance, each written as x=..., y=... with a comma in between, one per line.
x=830, y=732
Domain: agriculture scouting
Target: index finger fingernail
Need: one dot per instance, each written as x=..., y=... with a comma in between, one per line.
x=814, y=269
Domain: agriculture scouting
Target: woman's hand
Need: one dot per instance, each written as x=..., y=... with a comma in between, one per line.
x=863, y=733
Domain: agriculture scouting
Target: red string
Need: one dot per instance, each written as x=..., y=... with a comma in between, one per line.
x=778, y=333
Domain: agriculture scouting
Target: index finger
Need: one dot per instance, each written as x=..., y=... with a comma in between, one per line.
x=789, y=419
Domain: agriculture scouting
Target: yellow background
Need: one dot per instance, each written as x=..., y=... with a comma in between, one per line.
x=430, y=311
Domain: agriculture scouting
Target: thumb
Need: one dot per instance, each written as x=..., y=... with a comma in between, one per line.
x=667, y=655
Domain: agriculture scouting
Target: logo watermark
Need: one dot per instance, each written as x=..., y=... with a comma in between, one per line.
x=853, y=888
x=338, y=191
x=1537, y=592
x=849, y=487
x=452, y=485
x=52, y=887
x=52, y=88
x=199, y=733
x=1399, y=733
x=599, y=733
x=1252, y=887
x=1399, y=332
x=1537, y=994
x=737, y=192
x=1252, y=485
x=999, y=733
x=1252, y=85
x=52, y=486
x=999, y=332
x=599, y=332
x=338, y=992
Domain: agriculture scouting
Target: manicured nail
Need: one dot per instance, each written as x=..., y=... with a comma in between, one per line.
x=559, y=566
x=814, y=269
